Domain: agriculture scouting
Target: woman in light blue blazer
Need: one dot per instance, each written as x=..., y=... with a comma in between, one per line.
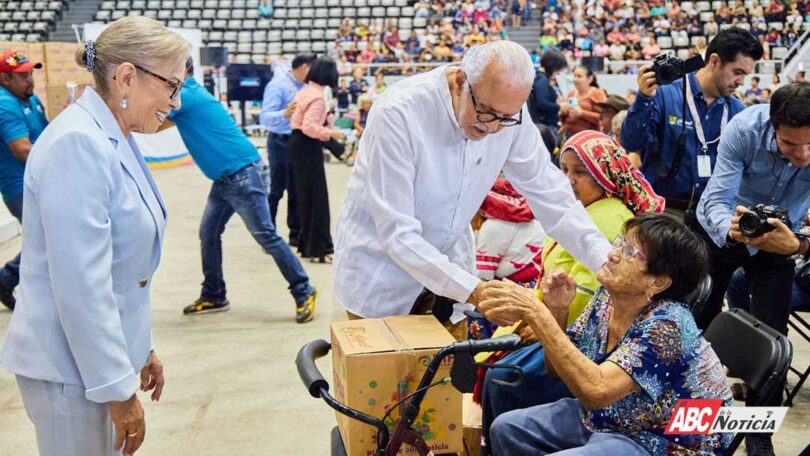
x=80, y=339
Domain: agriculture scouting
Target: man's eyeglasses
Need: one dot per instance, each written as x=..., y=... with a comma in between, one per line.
x=174, y=85
x=487, y=117
x=628, y=250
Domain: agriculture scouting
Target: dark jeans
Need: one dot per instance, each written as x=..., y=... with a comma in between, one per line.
x=770, y=278
x=10, y=274
x=556, y=428
x=281, y=179
x=538, y=387
x=738, y=294
x=244, y=192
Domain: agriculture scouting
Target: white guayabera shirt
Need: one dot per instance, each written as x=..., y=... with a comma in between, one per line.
x=405, y=223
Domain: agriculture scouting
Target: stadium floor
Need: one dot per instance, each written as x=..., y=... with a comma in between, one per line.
x=231, y=385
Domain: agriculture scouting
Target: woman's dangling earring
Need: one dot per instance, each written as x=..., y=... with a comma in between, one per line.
x=124, y=103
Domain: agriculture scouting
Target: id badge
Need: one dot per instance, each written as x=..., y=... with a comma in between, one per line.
x=704, y=163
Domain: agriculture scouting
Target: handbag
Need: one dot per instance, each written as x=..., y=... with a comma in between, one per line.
x=335, y=147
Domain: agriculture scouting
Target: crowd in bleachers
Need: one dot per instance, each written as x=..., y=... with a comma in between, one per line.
x=423, y=32
x=622, y=30
x=613, y=29
x=448, y=29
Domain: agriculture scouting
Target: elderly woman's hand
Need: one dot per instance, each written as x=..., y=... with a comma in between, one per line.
x=526, y=333
x=558, y=290
x=504, y=303
x=152, y=376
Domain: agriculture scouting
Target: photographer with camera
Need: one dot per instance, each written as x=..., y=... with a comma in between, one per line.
x=680, y=111
x=759, y=185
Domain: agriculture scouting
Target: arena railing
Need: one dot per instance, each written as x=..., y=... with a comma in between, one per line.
x=763, y=66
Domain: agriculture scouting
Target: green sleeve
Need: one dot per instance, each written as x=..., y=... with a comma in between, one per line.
x=585, y=279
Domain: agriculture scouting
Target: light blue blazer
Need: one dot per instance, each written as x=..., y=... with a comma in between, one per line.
x=92, y=233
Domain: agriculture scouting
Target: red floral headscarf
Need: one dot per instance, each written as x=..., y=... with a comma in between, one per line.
x=612, y=169
x=503, y=202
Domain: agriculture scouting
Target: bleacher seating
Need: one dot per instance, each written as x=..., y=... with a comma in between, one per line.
x=296, y=25
x=302, y=25
x=29, y=20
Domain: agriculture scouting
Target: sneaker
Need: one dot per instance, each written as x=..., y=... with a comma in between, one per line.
x=305, y=310
x=759, y=445
x=204, y=306
x=7, y=297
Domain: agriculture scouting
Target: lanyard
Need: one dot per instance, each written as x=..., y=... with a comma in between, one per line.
x=696, y=118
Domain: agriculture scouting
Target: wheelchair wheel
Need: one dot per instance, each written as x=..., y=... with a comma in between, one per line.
x=337, y=443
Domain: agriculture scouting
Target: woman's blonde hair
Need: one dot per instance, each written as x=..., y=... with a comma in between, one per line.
x=363, y=98
x=135, y=39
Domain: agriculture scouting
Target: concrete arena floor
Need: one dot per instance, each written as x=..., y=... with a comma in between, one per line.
x=232, y=388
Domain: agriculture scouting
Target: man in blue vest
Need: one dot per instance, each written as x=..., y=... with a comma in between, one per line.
x=676, y=135
x=22, y=119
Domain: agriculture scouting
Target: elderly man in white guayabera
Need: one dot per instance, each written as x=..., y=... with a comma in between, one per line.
x=433, y=146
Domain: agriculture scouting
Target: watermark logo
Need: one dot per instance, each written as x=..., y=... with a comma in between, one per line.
x=707, y=416
x=694, y=416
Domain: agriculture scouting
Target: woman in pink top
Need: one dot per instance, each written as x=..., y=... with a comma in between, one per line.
x=305, y=153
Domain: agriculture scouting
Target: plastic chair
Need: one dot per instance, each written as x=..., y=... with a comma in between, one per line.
x=753, y=351
x=697, y=299
x=802, y=327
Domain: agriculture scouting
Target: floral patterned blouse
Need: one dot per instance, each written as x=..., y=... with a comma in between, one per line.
x=665, y=354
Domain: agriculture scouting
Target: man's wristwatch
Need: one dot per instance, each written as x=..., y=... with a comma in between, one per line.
x=804, y=248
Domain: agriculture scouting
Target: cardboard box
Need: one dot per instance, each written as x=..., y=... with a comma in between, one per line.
x=14, y=46
x=471, y=426
x=41, y=91
x=36, y=52
x=376, y=362
x=57, y=96
x=61, y=67
x=472, y=440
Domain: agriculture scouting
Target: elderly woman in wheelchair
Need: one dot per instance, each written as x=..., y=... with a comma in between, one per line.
x=633, y=352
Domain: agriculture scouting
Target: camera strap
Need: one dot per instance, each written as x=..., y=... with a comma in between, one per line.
x=698, y=124
x=680, y=147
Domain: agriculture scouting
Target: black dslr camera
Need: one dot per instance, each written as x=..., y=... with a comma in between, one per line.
x=755, y=223
x=668, y=68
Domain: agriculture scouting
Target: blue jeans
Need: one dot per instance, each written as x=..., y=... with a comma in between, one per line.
x=281, y=179
x=555, y=428
x=738, y=293
x=10, y=274
x=244, y=192
x=537, y=388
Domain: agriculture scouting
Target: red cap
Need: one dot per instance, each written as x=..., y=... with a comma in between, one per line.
x=16, y=62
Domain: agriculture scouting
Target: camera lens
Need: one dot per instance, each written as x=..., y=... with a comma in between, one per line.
x=666, y=74
x=749, y=223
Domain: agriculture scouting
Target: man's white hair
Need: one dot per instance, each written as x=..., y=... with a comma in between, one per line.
x=513, y=59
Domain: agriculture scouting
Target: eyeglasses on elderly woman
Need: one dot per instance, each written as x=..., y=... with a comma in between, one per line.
x=628, y=250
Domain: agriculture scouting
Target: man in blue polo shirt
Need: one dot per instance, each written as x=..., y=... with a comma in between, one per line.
x=228, y=158
x=277, y=108
x=22, y=119
x=678, y=146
